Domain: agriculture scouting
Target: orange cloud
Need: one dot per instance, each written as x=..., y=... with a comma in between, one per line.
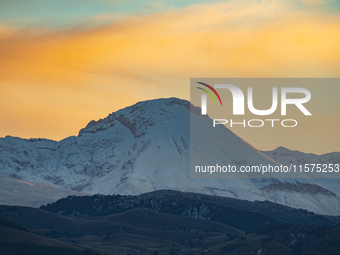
x=54, y=82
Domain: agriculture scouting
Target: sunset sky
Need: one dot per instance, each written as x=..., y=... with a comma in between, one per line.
x=66, y=62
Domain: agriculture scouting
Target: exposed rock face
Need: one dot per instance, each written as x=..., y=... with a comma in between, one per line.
x=201, y=212
x=299, y=187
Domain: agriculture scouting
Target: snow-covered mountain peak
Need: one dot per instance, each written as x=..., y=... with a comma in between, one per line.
x=146, y=147
x=141, y=114
x=282, y=151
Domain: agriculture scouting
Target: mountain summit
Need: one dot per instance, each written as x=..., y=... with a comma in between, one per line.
x=146, y=147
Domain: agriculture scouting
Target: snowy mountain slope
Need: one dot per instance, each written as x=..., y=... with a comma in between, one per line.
x=146, y=147
x=287, y=157
x=17, y=192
